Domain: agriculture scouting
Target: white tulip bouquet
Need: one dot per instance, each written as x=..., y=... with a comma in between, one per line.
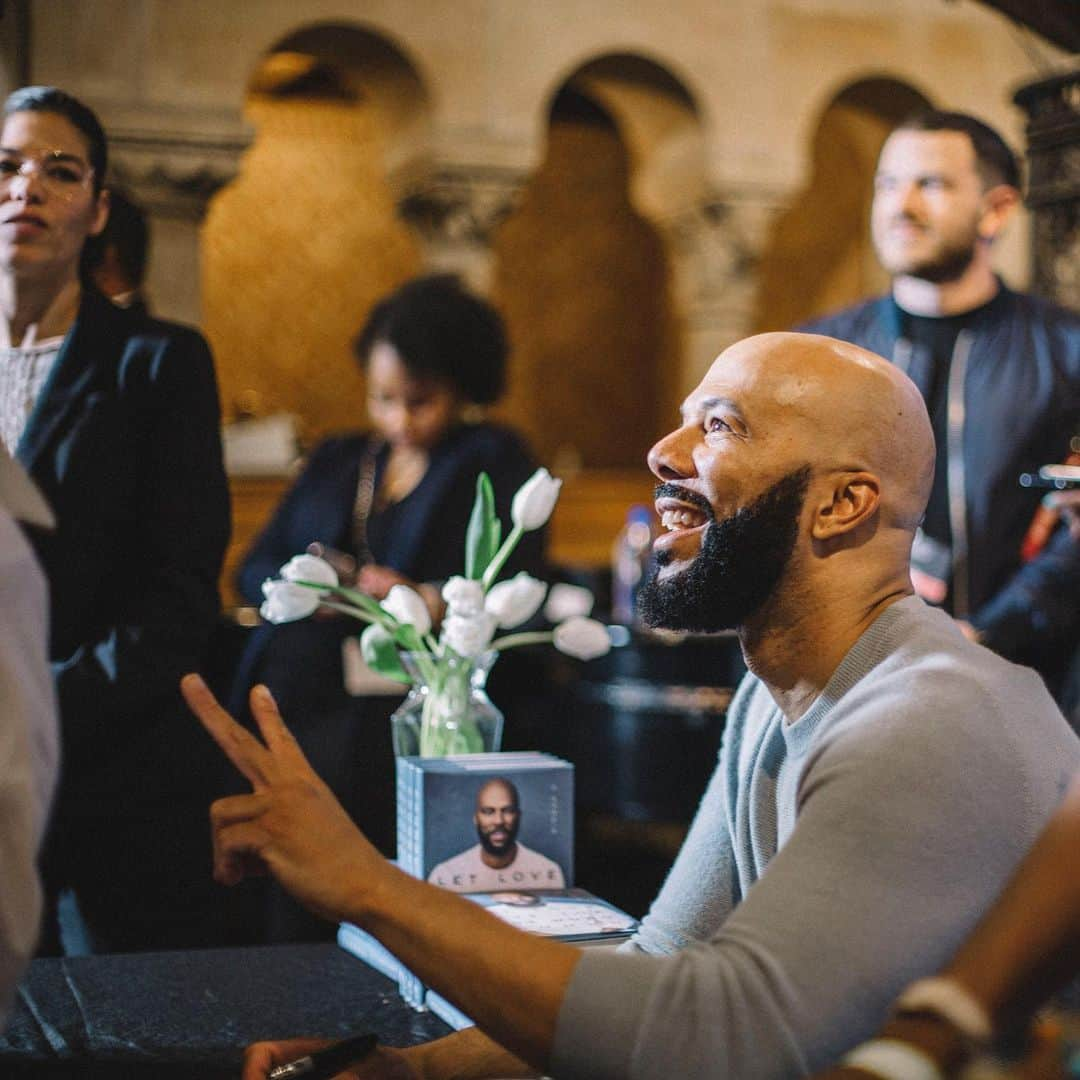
x=477, y=607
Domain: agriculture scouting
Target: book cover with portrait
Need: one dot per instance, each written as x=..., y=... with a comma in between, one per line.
x=487, y=822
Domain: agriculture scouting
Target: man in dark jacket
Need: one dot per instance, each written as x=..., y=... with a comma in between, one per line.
x=1000, y=372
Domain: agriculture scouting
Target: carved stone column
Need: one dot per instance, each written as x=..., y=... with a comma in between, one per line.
x=1053, y=151
x=454, y=210
x=173, y=178
x=715, y=246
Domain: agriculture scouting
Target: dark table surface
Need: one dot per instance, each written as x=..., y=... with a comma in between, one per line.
x=190, y=1014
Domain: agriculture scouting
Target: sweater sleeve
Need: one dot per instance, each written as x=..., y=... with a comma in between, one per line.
x=701, y=888
x=895, y=853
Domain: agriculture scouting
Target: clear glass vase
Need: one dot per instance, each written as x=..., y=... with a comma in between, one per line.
x=446, y=710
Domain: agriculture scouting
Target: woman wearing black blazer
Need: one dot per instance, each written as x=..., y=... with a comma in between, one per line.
x=115, y=416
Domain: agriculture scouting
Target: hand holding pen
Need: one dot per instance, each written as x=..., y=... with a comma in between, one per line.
x=310, y=1059
x=325, y=1062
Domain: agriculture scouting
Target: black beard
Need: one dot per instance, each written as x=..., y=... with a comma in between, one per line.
x=490, y=848
x=951, y=266
x=738, y=568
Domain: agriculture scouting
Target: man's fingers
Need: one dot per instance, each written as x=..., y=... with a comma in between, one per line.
x=240, y=747
x=236, y=848
x=236, y=808
x=279, y=738
x=260, y=1058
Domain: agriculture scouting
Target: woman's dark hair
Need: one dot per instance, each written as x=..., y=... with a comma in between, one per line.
x=49, y=99
x=440, y=330
x=128, y=233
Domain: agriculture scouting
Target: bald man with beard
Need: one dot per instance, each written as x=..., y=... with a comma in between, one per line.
x=879, y=779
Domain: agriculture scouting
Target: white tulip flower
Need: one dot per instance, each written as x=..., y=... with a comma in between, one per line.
x=566, y=601
x=463, y=596
x=286, y=602
x=513, y=602
x=468, y=636
x=309, y=568
x=534, y=501
x=408, y=607
x=582, y=638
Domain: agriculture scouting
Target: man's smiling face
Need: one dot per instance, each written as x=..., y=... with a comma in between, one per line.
x=731, y=495
x=794, y=450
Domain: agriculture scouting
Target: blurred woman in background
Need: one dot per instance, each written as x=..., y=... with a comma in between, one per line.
x=388, y=506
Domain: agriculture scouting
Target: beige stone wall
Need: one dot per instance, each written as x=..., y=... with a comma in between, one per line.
x=723, y=148
x=590, y=345
x=295, y=252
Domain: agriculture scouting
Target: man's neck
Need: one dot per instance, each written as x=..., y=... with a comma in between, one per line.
x=34, y=309
x=976, y=286
x=796, y=653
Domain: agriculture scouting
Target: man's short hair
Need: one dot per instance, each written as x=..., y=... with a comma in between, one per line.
x=995, y=162
x=50, y=99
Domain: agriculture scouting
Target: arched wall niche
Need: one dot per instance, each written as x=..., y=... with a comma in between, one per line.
x=660, y=121
x=818, y=255
x=583, y=269
x=355, y=63
x=306, y=239
x=710, y=235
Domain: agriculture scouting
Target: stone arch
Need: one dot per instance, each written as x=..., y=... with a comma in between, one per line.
x=595, y=383
x=353, y=62
x=338, y=110
x=660, y=121
x=818, y=255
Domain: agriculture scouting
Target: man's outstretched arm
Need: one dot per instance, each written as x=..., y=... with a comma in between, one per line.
x=511, y=983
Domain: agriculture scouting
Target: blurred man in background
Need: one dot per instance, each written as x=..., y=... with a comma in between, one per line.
x=1000, y=372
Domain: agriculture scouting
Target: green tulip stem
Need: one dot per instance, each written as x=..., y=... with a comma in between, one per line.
x=426, y=665
x=348, y=609
x=360, y=602
x=446, y=724
x=528, y=637
x=504, y=552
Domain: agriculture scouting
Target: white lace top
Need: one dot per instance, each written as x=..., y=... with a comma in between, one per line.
x=23, y=371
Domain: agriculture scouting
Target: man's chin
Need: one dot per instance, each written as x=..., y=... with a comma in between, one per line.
x=938, y=269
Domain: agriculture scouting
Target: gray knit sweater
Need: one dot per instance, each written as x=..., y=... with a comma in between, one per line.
x=831, y=861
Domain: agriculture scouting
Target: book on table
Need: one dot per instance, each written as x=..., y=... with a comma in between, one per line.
x=484, y=822
x=572, y=915
x=498, y=828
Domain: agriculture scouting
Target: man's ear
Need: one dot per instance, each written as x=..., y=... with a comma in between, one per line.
x=855, y=498
x=101, y=212
x=999, y=204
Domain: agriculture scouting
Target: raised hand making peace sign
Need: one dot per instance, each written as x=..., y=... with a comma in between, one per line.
x=290, y=825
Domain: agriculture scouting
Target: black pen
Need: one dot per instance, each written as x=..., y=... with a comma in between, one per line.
x=324, y=1063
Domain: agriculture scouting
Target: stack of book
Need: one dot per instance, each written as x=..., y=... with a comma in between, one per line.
x=441, y=824
x=499, y=828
